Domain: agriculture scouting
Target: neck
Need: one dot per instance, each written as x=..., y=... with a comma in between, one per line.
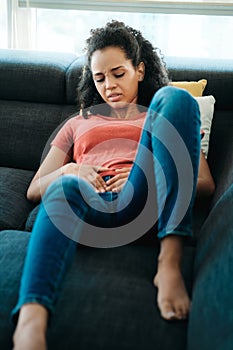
x=125, y=113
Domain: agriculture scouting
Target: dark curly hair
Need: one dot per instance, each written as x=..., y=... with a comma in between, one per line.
x=137, y=49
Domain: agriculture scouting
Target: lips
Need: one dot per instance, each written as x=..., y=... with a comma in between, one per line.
x=114, y=97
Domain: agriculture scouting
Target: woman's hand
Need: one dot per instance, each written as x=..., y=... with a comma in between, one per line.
x=116, y=183
x=88, y=173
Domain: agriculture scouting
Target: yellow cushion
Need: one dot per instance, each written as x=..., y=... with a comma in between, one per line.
x=195, y=88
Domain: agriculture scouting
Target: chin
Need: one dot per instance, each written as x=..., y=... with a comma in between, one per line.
x=119, y=105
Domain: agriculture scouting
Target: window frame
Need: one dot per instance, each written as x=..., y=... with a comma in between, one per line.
x=200, y=7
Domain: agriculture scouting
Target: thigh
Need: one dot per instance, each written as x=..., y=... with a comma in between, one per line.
x=137, y=202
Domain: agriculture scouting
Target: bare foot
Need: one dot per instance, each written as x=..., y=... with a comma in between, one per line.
x=173, y=300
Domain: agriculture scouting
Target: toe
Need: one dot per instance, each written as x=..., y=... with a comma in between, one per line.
x=155, y=281
x=181, y=314
x=182, y=310
x=167, y=311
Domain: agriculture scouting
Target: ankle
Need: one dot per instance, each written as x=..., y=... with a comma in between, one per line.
x=34, y=315
x=169, y=261
x=171, y=251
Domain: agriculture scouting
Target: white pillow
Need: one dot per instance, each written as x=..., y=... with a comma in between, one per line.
x=206, y=106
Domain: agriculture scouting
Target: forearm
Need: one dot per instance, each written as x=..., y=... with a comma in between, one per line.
x=39, y=185
x=87, y=172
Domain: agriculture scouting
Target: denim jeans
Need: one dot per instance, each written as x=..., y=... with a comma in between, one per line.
x=160, y=190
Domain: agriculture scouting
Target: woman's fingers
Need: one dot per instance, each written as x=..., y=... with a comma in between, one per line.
x=123, y=171
x=91, y=174
x=117, y=182
x=100, y=184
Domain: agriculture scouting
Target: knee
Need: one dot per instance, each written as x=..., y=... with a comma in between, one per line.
x=172, y=92
x=170, y=95
x=65, y=186
x=170, y=101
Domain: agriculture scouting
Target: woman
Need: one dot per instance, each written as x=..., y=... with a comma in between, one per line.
x=108, y=165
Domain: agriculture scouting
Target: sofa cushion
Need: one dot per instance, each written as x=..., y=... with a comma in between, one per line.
x=13, y=246
x=25, y=129
x=31, y=218
x=206, y=106
x=220, y=156
x=195, y=88
x=73, y=76
x=34, y=76
x=14, y=207
x=107, y=300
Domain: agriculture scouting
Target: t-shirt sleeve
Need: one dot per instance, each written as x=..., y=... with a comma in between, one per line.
x=64, y=138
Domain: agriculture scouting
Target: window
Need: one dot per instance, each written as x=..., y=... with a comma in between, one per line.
x=175, y=35
x=57, y=25
x=219, y=7
x=3, y=25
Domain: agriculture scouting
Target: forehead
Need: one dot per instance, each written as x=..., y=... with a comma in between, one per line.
x=108, y=58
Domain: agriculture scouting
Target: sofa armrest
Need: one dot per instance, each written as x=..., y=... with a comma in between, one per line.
x=224, y=179
x=211, y=322
x=220, y=157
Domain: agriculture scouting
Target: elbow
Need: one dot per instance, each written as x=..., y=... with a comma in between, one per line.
x=209, y=189
x=31, y=194
x=205, y=187
x=212, y=188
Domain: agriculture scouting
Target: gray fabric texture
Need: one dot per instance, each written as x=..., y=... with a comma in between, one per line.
x=219, y=75
x=210, y=323
x=14, y=207
x=31, y=218
x=34, y=76
x=73, y=76
x=103, y=305
x=26, y=128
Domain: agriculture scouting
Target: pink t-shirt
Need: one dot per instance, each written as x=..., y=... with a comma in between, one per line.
x=101, y=140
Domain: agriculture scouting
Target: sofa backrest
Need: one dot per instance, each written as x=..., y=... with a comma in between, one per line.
x=37, y=93
x=219, y=76
x=38, y=89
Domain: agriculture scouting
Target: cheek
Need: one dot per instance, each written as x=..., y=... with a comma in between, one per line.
x=100, y=89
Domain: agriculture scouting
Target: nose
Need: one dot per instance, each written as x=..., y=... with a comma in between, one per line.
x=110, y=83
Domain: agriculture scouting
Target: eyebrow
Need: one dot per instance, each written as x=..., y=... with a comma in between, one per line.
x=112, y=70
x=116, y=68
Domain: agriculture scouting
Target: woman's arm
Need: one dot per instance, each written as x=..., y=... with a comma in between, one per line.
x=50, y=170
x=205, y=182
x=58, y=163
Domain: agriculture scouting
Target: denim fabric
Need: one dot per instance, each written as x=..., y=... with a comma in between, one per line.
x=160, y=188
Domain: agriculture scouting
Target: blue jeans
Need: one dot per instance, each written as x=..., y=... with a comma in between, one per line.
x=160, y=190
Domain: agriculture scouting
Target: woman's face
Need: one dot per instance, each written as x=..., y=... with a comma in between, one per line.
x=115, y=78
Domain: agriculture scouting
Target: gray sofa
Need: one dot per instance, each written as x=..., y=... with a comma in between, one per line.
x=108, y=300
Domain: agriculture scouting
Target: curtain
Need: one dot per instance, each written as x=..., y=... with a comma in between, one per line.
x=21, y=26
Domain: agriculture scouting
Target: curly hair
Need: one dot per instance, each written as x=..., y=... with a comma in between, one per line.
x=137, y=49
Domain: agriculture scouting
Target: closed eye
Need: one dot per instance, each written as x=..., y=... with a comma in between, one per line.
x=119, y=75
x=100, y=80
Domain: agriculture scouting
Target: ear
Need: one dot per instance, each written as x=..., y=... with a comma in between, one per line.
x=141, y=71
